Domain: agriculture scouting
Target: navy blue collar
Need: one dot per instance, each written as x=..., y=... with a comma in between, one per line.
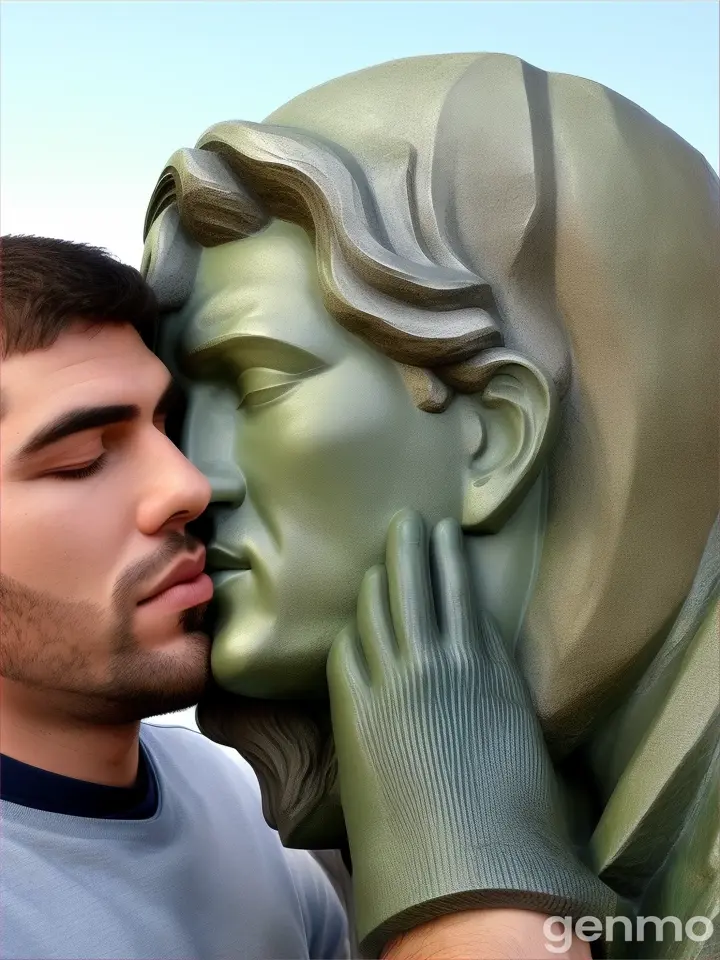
x=30, y=786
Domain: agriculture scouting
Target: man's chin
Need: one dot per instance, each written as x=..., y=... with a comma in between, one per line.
x=142, y=704
x=171, y=676
x=197, y=620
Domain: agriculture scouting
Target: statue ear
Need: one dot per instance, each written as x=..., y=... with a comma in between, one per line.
x=514, y=410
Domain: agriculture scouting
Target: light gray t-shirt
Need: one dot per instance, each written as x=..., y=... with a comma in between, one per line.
x=205, y=878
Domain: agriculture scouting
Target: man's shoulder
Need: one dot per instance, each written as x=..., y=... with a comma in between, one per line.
x=192, y=761
x=173, y=732
x=324, y=909
x=178, y=745
x=176, y=736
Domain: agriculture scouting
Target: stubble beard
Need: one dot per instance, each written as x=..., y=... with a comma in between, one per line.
x=48, y=645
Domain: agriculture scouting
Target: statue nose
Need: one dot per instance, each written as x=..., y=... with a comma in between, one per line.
x=227, y=483
x=209, y=441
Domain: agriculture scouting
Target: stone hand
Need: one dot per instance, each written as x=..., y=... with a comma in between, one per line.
x=448, y=791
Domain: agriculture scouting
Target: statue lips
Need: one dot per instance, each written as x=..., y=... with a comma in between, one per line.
x=224, y=564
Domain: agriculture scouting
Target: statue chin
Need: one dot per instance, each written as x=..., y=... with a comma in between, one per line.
x=289, y=745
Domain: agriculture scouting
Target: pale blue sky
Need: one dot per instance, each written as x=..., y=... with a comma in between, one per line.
x=96, y=95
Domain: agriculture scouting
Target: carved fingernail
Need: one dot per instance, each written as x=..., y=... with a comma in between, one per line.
x=454, y=531
x=412, y=529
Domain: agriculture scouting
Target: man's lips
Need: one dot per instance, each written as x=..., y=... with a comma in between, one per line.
x=186, y=585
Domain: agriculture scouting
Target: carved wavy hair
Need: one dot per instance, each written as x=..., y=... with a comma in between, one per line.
x=437, y=321
x=290, y=747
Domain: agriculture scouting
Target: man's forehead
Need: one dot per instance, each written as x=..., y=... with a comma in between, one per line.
x=112, y=366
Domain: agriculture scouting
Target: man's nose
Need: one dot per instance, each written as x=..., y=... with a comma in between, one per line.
x=209, y=441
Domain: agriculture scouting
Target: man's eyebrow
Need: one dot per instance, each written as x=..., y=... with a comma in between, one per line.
x=90, y=418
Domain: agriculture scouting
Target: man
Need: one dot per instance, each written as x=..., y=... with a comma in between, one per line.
x=121, y=839
x=466, y=285
x=115, y=837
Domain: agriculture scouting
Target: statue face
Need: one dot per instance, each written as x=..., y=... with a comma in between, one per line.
x=312, y=442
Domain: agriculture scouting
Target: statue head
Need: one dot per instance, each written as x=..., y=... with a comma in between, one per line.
x=467, y=286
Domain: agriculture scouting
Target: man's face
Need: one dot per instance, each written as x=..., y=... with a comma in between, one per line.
x=92, y=524
x=311, y=442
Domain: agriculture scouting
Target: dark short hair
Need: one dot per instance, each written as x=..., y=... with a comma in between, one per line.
x=46, y=285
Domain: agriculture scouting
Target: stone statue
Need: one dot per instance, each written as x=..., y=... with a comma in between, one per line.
x=466, y=286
